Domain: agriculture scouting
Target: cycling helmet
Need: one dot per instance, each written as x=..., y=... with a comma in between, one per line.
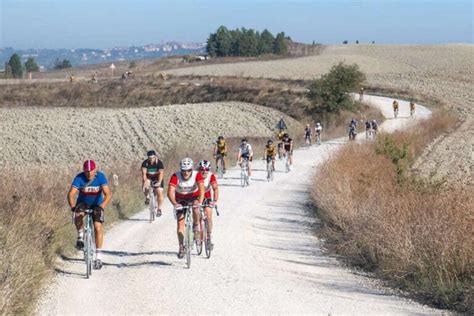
x=151, y=153
x=318, y=124
x=270, y=141
x=220, y=137
x=244, y=140
x=88, y=165
x=374, y=121
x=285, y=135
x=307, y=125
x=204, y=165
x=186, y=164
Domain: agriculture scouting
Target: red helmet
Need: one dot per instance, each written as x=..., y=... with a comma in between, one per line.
x=89, y=165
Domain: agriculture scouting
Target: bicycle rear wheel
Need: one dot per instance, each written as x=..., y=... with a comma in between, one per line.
x=200, y=241
x=152, y=206
x=220, y=168
x=207, y=238
x=88, y=252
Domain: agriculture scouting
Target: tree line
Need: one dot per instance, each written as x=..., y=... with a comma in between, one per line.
x=15, y=69
x=245, y=42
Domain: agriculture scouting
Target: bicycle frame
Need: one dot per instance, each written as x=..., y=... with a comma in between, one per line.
x=244, y=172
x=89, y=241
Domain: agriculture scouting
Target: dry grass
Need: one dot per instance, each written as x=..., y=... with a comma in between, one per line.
x=416, y=235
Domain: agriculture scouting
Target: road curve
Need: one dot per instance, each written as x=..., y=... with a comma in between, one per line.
x=267, y=258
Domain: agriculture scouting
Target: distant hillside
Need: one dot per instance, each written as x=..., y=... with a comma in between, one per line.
x=86, y=56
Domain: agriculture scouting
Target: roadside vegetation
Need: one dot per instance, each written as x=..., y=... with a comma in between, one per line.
x=379, y=216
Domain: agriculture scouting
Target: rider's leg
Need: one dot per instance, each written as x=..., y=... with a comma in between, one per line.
x=146, y=189
x=250, y=167
x=209, y=219
x=160, y=195
x=180, y=228
x=196, y=220
x=223, y=161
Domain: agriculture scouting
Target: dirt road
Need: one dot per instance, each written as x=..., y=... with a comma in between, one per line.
x=267, y=258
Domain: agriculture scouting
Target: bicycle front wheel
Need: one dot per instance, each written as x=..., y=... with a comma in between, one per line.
x=88, y=252
x=207, y=238
x=188, y=241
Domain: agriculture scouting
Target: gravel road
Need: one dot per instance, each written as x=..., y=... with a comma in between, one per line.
x=266, y=257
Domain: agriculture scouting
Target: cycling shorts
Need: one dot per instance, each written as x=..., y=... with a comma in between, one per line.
x=184, y=203
x=154, y=183
x=247, y=157
x=97, y=216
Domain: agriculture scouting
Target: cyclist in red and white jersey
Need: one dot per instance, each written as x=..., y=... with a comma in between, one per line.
x=212, y=191
x=186, y=187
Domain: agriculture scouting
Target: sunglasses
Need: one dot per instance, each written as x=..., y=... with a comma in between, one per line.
x=204, y=169
x=186, y=171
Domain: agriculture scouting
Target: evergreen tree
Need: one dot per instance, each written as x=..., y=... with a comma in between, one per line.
x=31, y=65
x=279, y=47
x=16, y=66
x=265, y=45
x=224, y=41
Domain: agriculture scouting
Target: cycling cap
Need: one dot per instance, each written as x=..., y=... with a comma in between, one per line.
x=88, y=165
x=151, y=153
x=204, y=165
x=186, y=164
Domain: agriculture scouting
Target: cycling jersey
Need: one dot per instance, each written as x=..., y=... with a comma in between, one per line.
x=367, y=125
x=287, y=144
x=245, y=150
x=307, y=131
x=209, y=181
x=186, y=189
x=280, y=135
x=395, y=104
x=318, y=129
x=374, y=126
x=221, y=147
x=270, y=150
x=152, y=168
x=90, y=191
x=412, y=106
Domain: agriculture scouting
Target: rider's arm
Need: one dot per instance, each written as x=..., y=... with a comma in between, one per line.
x=161, y=168
x=172, y=189
x=239, y=154
x=107, y=196
x=144, y=178
x=71, y=196
x=215, y=150
x=215, y=189
x=201, y=188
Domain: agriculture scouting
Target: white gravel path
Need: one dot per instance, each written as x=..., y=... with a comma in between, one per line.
x=266, y=260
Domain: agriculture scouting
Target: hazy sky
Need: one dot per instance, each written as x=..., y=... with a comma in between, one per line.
x=109, y=23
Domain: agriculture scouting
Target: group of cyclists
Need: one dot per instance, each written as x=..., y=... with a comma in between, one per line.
x=316, y=132
x=396, y=106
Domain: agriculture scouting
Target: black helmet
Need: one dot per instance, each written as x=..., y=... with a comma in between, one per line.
x=151, y=153
x=244, y=140
x=285, y=135
x=220, y=137
x=270, y=141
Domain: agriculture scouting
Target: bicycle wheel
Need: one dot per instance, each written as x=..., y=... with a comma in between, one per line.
x=199, y=241
x=188, y=239
x=152, y=206
x=207, y=238
x=88, y=255
x=220, y=168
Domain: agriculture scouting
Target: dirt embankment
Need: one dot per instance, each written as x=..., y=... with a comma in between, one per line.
x=444, y=72
x=61, y=136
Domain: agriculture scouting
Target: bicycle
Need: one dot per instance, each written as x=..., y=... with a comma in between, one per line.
x=286, y=160
x=89, y=241
x=269, y=169
x=307, y=139
x=412, y=112
x=188, y=232
x=318, y=138
x=395, y=112
x=220, y=166
x=205, y=235
x=153, y=205
x=244, y=172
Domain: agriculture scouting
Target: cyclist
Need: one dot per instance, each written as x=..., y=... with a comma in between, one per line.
x=361, y=93
x=280, y=143
x=318, y=129
x=270, y=153
x=352, y=130
x=412, y=108
x=395, y=108
x=307, y=134
x=375, y=126
x=186, y=187
x=368, y=128
x=220, y=151
x=152, y=176
x=245, y=152
x=93, y=193
x=210, y=198
x=288, y=147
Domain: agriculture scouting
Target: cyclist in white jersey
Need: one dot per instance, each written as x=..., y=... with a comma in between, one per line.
x=245, y=152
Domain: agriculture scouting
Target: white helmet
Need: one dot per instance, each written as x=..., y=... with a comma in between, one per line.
x=374, y=121
x=186, y=164
x=204, y=164
x=318, y=124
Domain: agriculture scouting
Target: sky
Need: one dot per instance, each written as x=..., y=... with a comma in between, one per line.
x=111, y=23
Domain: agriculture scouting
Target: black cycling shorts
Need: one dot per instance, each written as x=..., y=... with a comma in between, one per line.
x=184, y=203
x=247, y=157
x=97, y=216
x=154, y=184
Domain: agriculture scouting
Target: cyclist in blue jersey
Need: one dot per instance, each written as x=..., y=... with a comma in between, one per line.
x=93, y=193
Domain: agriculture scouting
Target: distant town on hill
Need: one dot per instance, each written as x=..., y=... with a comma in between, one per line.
x=86, y=56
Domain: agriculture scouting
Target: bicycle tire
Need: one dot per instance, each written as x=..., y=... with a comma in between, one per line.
x=86, y=254
x=188, y=240
x=220, y=168
x=207, y=237
x=199, y=244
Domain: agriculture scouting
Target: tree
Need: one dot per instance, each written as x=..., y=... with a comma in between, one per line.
x=211, y=46
x=265, y=44
x=280, y=47
x=16, y=66
x=224, y=41
x=31, y=65
x=330, y=92
x=62, y=64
